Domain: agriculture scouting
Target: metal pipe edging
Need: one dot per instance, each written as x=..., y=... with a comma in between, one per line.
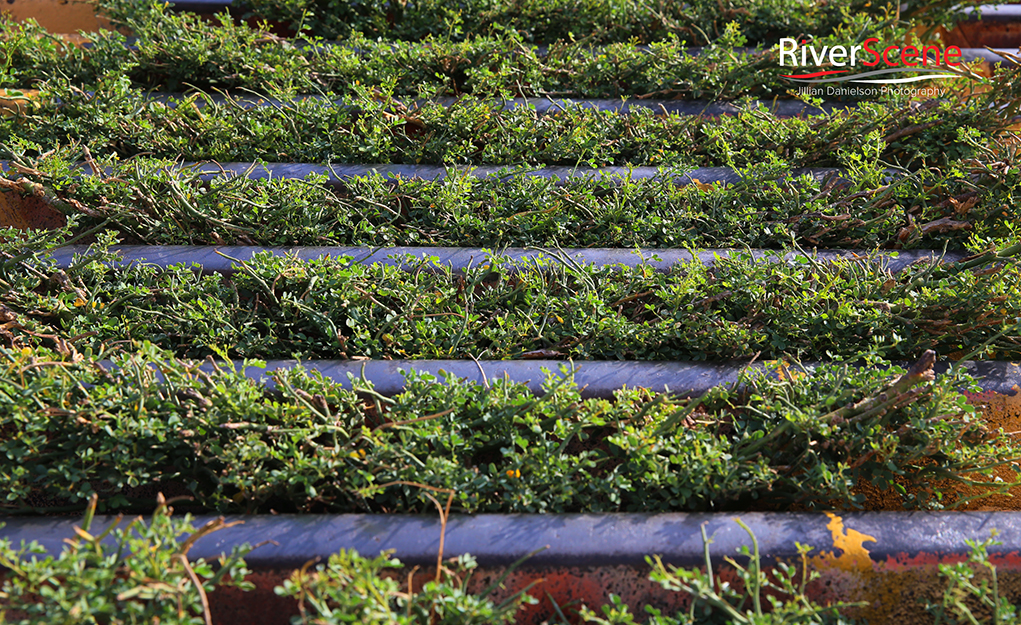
x=567, y=540
x=594, y=378
x=219, y=259
x=994, y=13
x=990, y=12
x=203, y=6
x=336, y=174
x=542, y=106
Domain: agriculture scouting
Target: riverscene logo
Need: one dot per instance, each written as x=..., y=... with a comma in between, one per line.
x=858, y=59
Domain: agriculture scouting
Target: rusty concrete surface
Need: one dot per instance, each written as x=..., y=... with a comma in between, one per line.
x=993, y=34
x=56, y=16
x=26, y=212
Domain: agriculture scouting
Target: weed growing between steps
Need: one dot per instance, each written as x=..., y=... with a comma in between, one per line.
x=590, y=22
x=135, y=574
x=741, y=603
x=965, y=206
x=182, y=51
x=143, y=576
x=349, y=585
x=547, y=21
x=74, y=427
x=118, y=120
x=778, y=595
x=327, y=308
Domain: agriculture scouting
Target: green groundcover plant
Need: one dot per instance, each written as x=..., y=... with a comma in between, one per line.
x=349, y=585
x=134, y=573
x=140, y=573
x=329, y=308
x=75, y=427
x=184, y=52
x=741, y=604
x=118, y=120
x=593, y=21
x=765, y=597
x=149, y=201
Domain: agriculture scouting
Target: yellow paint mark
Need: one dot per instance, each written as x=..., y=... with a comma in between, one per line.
x=784, y=373
x=854, y=557
x=854, y=576
x=701, y=185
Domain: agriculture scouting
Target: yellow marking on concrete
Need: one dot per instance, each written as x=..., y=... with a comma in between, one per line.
x=783, y=370
x=854, y=557
x=852, y=576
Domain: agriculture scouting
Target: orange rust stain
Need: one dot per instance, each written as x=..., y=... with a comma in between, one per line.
x=998, y=411
x=27, y=212
x=786, y=373
x=57, y=16
x=903, y=562
x=569, y=591
x=891, y=585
